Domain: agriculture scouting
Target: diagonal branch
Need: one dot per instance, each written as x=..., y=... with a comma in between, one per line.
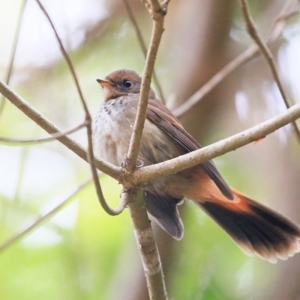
x=143, y=232
x=253, y=32
x=172, y=166
x=142, y=44
x=13, y=239
x=13, y=52
x=18, y=142
x=231, y=143
x=157, y=13
x=247, y=55
x=44, y=123
x=88, y=120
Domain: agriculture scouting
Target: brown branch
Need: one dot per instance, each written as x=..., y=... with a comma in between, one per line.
x=134, y=196
x=13, y=53
x=157, y=13
x=175, y=165
x=22, y=233
x=142, y=45
x=88, y=120
x=247, y=55
x=231, y=143
x=18, y=142
x=44, y=123
x=253, y=32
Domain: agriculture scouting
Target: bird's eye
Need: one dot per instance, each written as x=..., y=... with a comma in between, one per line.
x=127, y=83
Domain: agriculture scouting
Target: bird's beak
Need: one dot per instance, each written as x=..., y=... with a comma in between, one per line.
x=105, y=83
x=108, y=88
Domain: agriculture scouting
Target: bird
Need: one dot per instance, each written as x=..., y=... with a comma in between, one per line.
x=256, y=228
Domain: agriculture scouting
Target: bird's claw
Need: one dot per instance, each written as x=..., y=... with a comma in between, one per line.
x=139, y=163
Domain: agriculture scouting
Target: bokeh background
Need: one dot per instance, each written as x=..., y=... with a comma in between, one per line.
x=82, y=253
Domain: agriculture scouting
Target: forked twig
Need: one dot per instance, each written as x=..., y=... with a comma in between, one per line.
x=241, y=59
x=44, y=123
x=143, y=232
x=88, y=119
x=253, y=32
x=142, y=44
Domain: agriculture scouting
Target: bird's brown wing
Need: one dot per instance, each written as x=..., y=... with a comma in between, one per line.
x=158, y=114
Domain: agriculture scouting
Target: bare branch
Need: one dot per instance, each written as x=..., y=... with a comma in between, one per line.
x=22, y=233
x=146, y=242
x=66, y=57
x=175, y=165
x=243, y=58
x=253, y=32
x=157, y=12
x=88, y=119
x=143, y=232
x=18, y=142
x=13, y=52
x=142, y=44
x=44, y=123
x=234, y=142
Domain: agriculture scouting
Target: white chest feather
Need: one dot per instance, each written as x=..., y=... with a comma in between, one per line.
x=113, y=128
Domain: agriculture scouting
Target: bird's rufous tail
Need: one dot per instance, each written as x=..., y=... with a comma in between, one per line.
x=254, y=227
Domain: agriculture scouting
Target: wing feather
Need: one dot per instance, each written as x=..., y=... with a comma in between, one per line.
x=158, y=114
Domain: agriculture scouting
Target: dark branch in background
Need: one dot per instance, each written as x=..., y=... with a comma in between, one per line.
x=22, y=233
x=13, y=52
x=18, y=142
x=247, y=55
x=142, y=45
x=253, y=32
x=88, y=120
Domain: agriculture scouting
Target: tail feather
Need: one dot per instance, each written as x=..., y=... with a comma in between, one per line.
x=255, y=228
x=164, y=210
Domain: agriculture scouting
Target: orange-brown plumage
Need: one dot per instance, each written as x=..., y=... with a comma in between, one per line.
x=254, y=227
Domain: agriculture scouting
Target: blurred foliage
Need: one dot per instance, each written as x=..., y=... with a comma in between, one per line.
x=82, y=253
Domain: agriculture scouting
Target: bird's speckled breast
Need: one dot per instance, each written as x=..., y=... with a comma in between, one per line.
x=113, y=128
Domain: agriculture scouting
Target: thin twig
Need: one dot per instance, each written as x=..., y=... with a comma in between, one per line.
x=172, y=166
x=18, y=142
x=13, y=52
x=88, y=119
x=231, y=143
x=66, y=57
x=241, y=59
x=44, y=123
x=22, y=233
x=157, y=14
x=253, y=32
x=142, y=45
x=134, y=196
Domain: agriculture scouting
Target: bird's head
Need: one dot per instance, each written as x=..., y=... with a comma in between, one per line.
x=121, y=83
